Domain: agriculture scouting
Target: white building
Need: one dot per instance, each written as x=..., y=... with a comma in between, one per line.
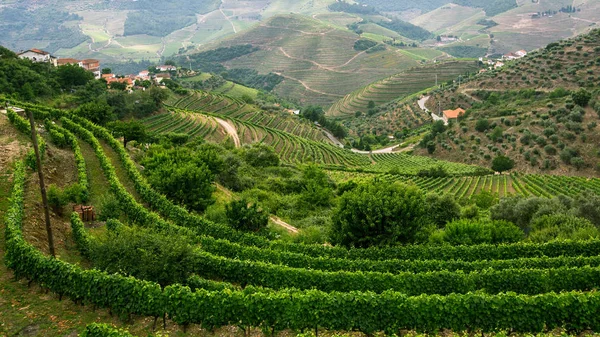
x=37, y=55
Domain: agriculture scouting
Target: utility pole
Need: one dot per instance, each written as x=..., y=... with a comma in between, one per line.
x=42, y=186
x=436, y=84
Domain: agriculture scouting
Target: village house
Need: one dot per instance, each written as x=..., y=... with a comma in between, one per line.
x=164, y=68
x=37, y=55
x=65, y=61
x=92, y=65
x=128, y=81
x=453, y=114
x=108, y=76
x=498, y=65
x=144, y=75
x=162, y=76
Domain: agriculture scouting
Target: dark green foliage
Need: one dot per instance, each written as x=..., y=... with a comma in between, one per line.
x=317, y=114
x=482, y=125
x=560, y=227
x=502, y=163
x=465, y=51
x=260, y=155
x=251, y=78
x=210, y=61
x=129, y=130
x=72, y=75
x=378, y=214
x=97, y=111
x=442, y=209
x=316, y=188
x=364, y=44
x=56, y=199
x=246, y=216
x=581, y=97
x=406, y=29
x=183, y=174
x=484, y=199
x=487, y=23
x=491, y=7
x=438, y=171
x=343, y=6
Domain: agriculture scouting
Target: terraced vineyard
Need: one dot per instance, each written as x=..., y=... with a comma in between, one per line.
x=546, y=186
x=236, y=109
x=409, y=164
x=399, y=86
x=246, y=281
x=291, y=148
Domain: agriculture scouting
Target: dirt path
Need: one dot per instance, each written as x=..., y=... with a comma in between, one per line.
x=285, y=225
x=422, y=103
x=307, y=87
x=227, y=18
x=230, y=129
x=350, y=60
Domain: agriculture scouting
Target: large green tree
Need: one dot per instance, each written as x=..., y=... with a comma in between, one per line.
x=246, y=216
x=130, y=130
x=378, y=213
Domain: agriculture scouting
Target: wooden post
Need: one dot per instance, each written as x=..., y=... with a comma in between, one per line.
x=42, y=186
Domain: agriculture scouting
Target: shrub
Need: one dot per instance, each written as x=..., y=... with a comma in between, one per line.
x=246, y=216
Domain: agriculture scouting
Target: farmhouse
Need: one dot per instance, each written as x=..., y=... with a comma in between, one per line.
x=453, y=114
x=37, y=55
x=65, y=61
x=162, y=76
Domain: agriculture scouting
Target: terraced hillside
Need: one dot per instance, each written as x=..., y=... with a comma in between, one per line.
x=532, y=111
x=463, y=188
x=400, y=86
x=246, y=282
x=318, y=61
x=234, y=108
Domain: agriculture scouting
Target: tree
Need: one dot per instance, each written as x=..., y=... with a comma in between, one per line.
x=497, y=134
x=371, y=105
x=430, y=147
x=97, y=111
x=260, y=155
x=71, y=75
x=482, y=125
x=245, y=216
x=378, y=213
x=184, y=182
x=502, y=163
x=130, y=130
x=438, y=127
x=442, y=209
x=316, y=187
x=581, y=97
x=106, y=71
x=118, y=85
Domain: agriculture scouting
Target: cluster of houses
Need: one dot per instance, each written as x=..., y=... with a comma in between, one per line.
x=499, y=63
x=93, y=65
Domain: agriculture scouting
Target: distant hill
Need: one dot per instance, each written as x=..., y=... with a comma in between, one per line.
x=319, y=63
x=531, y=110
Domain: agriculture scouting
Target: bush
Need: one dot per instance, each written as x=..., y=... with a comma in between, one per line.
x=109, y=208
x=502, y=163
x=442, y=209
x=482, y=125
x=562, y=227
x=56, y=199
x=469, y=232
x=246, y=216
x=378, y=213
x=581, y=97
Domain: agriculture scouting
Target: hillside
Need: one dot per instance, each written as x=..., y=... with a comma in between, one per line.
x=399, y=86
x=529, y=25
x=319, y=63
x=532, y=111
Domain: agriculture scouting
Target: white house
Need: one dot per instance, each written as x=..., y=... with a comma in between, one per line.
x=166, y=68
x=37, y=55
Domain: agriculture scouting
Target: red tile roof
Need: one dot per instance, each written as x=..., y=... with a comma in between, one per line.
x=449, y=114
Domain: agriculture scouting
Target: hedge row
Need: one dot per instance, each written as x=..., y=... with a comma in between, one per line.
x=71, y=140
x=24, y=126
